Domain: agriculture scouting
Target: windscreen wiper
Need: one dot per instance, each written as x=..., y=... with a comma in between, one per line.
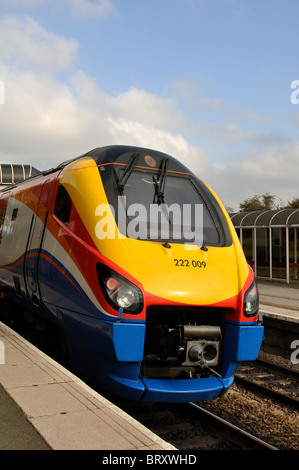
x=160, y=183
x=122, y=182
x=159, y=192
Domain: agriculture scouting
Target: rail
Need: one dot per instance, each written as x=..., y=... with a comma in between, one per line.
x=239, y=434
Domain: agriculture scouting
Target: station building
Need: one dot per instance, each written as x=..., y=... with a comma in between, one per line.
x=12, y=173
x=270, y=241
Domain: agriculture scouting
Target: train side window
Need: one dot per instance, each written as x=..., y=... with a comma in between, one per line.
x=2, y=215
x=14, y=214
x=63, y=205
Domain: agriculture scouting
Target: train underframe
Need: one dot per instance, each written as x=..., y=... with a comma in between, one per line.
x=182, y=343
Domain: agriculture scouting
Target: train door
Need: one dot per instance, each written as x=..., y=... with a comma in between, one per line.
x=3, y=204
x=3, y=260
x=34, y=244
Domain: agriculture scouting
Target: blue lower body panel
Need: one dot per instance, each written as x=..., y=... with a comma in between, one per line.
x=167, y=390
x=110, y=353
x=121, y=386
x=179, y=391
x=242, y=342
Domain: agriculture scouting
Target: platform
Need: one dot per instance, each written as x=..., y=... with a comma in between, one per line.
x=279, y=300
x=44, y=406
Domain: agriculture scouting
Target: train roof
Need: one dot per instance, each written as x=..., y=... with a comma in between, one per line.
x=11, y=174
x=122, y=154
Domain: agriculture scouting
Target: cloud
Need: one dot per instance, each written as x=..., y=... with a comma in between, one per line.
x=149, y=136
x=80, y=9
x=44, y=121
x=188, y=90
x=20, y=3
x=272, y=169
x=275, y=163
x=161, y=111
x=239, y=8
x=231, y=132
x=91, y=9
x=25, y=41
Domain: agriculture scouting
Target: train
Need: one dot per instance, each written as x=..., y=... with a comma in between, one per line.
x=128, y=263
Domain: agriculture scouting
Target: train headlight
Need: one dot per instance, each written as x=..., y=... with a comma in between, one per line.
x=125, y=297
x=118, y=291
x=251, y=301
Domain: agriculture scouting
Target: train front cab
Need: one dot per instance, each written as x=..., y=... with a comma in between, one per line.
x=145, y=354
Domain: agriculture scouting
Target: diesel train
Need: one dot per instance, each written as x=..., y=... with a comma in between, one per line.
x=131, y=265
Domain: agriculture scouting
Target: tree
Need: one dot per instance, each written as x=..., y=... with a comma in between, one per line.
x=294, y=204
x=258, y=203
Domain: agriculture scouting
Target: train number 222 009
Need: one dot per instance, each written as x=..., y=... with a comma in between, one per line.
x=186, y=263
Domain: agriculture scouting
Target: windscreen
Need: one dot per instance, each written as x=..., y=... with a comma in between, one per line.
x=172, y=210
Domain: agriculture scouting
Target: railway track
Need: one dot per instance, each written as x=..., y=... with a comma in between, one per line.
x=204, y=429
x=272, y=380
x=238, y=435
x=191, y=427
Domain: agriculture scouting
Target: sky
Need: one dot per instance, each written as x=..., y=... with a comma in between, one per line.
x=214, y=83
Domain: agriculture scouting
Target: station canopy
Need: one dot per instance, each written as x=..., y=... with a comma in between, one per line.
x=13, y=173
x=268, y=218
x=270, y=241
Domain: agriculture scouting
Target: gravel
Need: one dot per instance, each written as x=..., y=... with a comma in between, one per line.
x=275, y=423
